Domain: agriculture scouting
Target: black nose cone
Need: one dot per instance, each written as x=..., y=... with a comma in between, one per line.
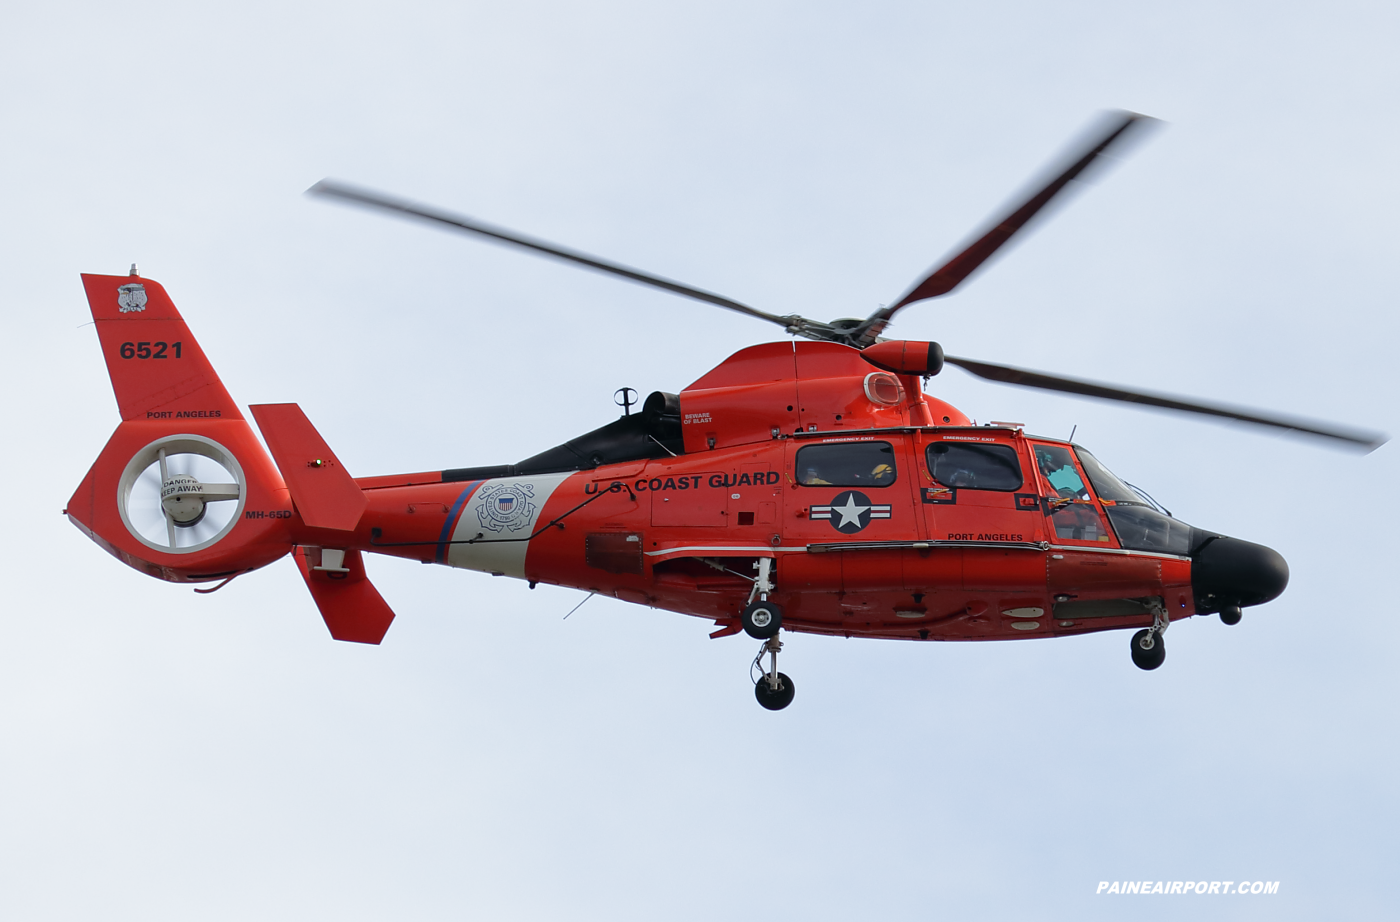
x=1228, y=571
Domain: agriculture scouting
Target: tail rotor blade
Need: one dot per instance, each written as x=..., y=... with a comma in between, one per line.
x=148, y=483
x=202, y=531
x=143, y=505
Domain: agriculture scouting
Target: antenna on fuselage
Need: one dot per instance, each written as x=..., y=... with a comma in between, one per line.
x=625, y=397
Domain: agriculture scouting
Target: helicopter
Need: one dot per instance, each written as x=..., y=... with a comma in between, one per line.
x=807, y=485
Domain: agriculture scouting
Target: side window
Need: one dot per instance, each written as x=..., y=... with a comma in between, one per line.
x=1073, y=514
x=1057, y=467
x=975, y=466
x=849, y=464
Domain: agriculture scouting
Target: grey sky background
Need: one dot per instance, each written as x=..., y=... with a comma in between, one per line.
x=171, y=756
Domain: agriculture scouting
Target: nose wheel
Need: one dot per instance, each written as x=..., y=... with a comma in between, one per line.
x=1149, y=650
x=774, y=690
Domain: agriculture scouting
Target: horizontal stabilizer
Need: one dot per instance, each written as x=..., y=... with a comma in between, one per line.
x=324, y=493
x=352, y=608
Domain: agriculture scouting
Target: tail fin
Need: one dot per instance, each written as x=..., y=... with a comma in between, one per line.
x=183, y=490
x=350, y=605
x=158, y=370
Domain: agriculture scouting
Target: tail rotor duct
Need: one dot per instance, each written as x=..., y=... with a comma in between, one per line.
x=181, y=493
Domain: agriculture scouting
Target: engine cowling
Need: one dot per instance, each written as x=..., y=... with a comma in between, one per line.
x=905, y=357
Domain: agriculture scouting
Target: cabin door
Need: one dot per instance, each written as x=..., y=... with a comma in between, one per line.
x=978, y=489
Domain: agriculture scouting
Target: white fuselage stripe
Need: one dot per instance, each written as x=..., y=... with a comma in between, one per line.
x=499, y=518
x=761, y=550
x=710, y=549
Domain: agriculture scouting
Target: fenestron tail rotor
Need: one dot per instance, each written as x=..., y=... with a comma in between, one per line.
x=181, y=494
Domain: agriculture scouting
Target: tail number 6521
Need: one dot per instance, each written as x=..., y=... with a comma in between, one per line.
x=150, y=350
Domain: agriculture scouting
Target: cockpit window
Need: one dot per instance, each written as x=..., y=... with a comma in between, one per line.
x=1105, y=482
x=1143, y=528
x=1057, y=467
x=975, y=466
x=849, y=464
x=1073, y=513
x=1138, y=525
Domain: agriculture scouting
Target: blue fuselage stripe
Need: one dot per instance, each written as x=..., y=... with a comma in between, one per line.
x=451, y=522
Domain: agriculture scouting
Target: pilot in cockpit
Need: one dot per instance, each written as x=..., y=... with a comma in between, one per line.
x=1057, y=467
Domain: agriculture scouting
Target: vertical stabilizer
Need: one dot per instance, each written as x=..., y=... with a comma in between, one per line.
x=182, y=490
x=352, y=608
x=157, y=368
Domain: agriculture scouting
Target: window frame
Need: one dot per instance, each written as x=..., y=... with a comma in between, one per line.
x=1015, y=452
x=1092, y=502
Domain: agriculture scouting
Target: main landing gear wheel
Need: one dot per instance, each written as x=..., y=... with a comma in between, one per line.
x=771, y=699
x=762, y=620
x=1149, y=651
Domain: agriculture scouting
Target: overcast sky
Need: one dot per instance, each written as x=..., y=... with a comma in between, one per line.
x=167, y=756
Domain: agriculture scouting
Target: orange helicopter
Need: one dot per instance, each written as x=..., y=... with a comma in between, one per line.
x=809, y=485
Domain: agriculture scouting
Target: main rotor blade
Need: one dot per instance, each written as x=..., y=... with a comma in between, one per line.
x=496, y=234
x=1005, y=374
x=958, y=267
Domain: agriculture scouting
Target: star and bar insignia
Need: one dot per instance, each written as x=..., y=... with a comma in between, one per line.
x=850, y=512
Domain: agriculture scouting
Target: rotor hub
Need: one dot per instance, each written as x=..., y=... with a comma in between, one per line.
x=182, y=497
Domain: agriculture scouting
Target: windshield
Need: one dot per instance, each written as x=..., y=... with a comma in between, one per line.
x=1106, y=484
x=1139, y=526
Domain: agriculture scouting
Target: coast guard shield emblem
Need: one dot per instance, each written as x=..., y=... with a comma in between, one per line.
x=506, y=507
x=131, y=298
